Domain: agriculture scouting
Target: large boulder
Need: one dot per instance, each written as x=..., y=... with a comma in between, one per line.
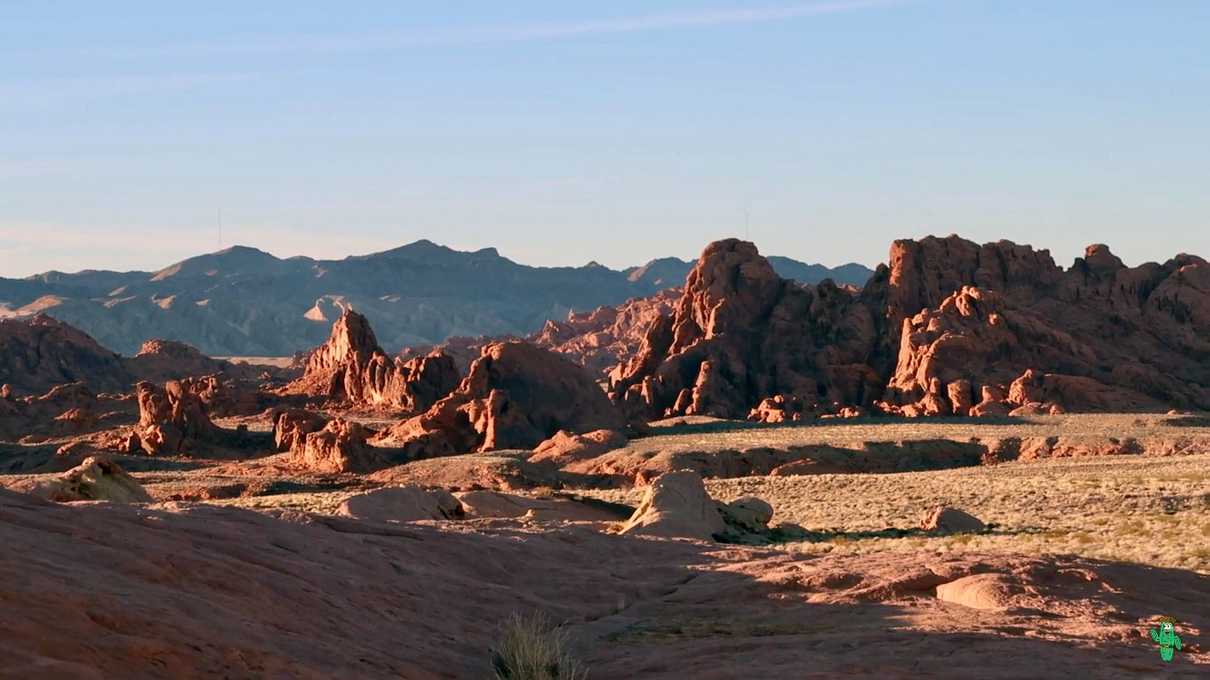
x=676, y=505
x=403, y=504
x=97, y=478
x=739, y=334
x=351, y=367
x=515, y=396
x=945, y=520
x=340, y=446
x=565, y=447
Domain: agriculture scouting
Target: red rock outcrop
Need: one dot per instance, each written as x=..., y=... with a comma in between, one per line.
x=351, y=367
x=992, y=329
x=173, y=421
x=159, y=361
x=39, y=353
x=515, y=396
x=607, y=336
x=340, y=446
x=740, y=333
x=291, y=427
x=65, y=410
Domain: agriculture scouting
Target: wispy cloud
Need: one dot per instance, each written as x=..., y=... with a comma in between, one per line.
x=469, y=36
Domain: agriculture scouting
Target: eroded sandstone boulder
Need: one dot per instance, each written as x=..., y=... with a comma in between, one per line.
x=340, y=446
x=947, y=520
x=676, y=505
x=403, y=504
x=565, y=447
x=95, y=479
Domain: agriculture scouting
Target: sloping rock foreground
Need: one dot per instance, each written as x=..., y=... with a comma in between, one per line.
x=180, y=591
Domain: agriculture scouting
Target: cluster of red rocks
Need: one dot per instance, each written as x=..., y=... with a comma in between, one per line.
x=948, y=328
x=515, y=396
x=999, y=329
x=607, y=336
x=740, y=333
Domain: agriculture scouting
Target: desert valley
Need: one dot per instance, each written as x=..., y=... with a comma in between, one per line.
x=970, y=462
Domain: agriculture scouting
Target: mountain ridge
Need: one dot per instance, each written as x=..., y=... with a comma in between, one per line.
x=243, y=301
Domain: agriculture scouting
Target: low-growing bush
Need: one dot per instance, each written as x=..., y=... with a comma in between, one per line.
x=532, y=648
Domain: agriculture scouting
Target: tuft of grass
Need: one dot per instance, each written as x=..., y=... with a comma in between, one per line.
x=532, y=648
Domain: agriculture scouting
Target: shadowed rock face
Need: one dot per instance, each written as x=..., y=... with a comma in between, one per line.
x=40, y=353
x=988, y=329
x=739, y=333
x=351, y=367
x=515, y=396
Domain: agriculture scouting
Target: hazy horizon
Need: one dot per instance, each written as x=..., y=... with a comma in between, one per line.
x=562, y=134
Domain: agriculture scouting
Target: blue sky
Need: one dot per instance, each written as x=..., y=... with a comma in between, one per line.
x=564, y=132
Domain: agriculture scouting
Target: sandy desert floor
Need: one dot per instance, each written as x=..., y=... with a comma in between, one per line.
x=1089, y=550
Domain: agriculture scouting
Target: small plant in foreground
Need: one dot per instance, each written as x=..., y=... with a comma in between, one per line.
x=532, y=648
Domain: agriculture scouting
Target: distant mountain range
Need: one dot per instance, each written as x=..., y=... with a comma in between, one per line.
x=246, y=302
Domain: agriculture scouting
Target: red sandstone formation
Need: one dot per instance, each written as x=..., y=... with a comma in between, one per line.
x=515, y=396
x=339, y=447
x=159, y=361
x=993, y=329
x=65, y=410
x=351, y=367
x=40, y=353
x=172, y=419
x=607, y=336
x=740, y=333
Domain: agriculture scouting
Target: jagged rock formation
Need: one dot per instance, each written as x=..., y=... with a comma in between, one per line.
x=515, y=396
x=739, y=333
x=172, y=419
x=340, y=446
x=351, y=367
x=607, y=336
x=39, y=353
x=994, y=328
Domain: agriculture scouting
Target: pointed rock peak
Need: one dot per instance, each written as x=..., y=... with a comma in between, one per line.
x=1099, y=258
x=351, y=334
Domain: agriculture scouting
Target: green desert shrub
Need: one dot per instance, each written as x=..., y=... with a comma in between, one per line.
x=532, y=648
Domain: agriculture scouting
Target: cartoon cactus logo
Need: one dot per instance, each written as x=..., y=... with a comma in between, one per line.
x=1167, y=638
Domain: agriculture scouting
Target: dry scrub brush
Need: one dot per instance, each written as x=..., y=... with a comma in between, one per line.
x=532, y=648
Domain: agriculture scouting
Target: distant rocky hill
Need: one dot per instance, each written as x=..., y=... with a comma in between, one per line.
x=245, y=302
